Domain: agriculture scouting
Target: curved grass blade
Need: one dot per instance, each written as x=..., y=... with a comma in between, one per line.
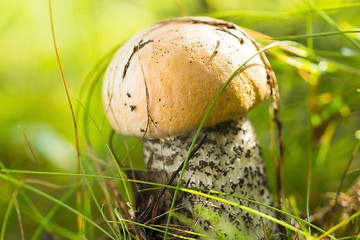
x=120, y=170
x=173, y=187
x=280, y=222
x=301, y=51
x=342, y=223
x=6, y=217
x=92, y=194
x=51, y=213
x=249, y=14
x=50, y=226
x=161, y=231
x=77, y=146
x=204, y=120
x=277, y=14
x=356, y=149
x=331, y=22
x=313, y=35
x=45, y=195
x=310, y=45
x=89, y=85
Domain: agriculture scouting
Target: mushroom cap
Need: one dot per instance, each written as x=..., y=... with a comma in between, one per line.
x=161, y=82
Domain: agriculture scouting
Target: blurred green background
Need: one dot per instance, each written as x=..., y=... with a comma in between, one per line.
x=320, y=103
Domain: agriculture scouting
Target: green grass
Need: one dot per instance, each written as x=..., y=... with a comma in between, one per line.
x=318, y=76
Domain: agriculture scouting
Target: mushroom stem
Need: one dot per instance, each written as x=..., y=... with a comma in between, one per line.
x=230, y=161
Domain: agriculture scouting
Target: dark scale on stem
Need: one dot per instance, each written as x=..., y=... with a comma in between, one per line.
x=247, y=154
x=241, y=182
x=262, y=191
x=229, y=161
x=169, y=161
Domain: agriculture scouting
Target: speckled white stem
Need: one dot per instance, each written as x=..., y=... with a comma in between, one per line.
x=229, y=161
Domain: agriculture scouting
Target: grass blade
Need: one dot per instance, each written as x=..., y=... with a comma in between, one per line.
x=51, y=213
x=204, y=120
x=280, y=222
x=342, y=223
x=45, y=195
x=78, y=193
x=313, y=35
x=331, y=22
x=6, y=217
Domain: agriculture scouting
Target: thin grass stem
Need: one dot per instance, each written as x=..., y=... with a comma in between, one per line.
x=204, y=120
x=310, y=45
x=78, y=192
x=47, y=196
x=51, y=213
x=331, y=22
x=280, y=222
x=342, y=223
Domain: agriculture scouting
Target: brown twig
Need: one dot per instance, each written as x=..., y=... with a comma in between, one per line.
x=274, y=92
x=29, y=145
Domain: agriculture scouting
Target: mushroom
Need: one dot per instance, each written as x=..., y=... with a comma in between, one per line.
x=159, y=86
